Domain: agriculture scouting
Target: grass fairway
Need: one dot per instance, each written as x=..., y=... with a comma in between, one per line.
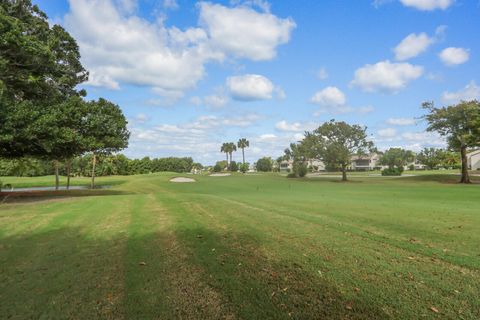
x=244, y=247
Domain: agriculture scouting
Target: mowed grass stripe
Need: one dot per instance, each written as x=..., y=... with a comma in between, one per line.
x=70, y=267
x=357, y=256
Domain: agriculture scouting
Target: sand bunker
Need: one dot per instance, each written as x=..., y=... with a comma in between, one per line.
x=220, y=174
x=182, y=179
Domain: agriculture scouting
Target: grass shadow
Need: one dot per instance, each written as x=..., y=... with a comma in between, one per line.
x=258, y=286
x=35, y=196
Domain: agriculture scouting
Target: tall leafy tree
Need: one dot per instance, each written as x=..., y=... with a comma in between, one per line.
x=460, y=124
x=105, y=130
x=242, y=144
x=431, y=157
x=231, y=149
x=39, y=68
x=397, y=158
x=336, y=142
x=226, y=149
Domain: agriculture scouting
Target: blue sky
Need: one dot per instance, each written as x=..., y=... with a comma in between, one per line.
x=190, y=75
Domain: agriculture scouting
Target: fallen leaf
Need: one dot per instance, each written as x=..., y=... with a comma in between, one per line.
x=434, y=309
x=349, y=306
x=356, y=289
x=142, y=263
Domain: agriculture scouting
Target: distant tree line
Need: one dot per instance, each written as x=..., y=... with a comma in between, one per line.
x=106, y=165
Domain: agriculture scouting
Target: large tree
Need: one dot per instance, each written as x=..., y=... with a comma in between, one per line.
x=225, y=148
x=59, y=132
x=397, y=158
x=39, y=68
x=460, y=124
x=336, y=142
x=231, y=149
x=242, y=144
x=431, y=157
x=104, y=131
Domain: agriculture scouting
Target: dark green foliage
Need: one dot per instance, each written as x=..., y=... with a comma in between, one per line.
x=244, y=167
x=233, y=166
x=396, y=171
x=396, y=158
x=265, y=164
x=459, y=124
x=300, y=169
x=217, y=168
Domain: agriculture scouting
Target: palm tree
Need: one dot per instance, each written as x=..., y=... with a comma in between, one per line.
x=242, y=144
x=225, y=148
x=231, y=148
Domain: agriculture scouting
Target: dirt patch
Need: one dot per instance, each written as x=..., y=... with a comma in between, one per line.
x=220, y=174
x=182, y=180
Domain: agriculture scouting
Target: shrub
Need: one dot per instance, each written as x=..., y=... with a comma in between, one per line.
x=244, y=167
x=411, y=167
x=217, y=168
x=392, y=171
x=233, y=166
x=300, y=169
x=291, y=175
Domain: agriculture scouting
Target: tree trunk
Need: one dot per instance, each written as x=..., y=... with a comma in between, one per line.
x=69, y=169
x=57, y=180
x=230, y=166
x=243, y=155
x=226, y=153
x=465, y=176
x=94, y=163
x=344, y=173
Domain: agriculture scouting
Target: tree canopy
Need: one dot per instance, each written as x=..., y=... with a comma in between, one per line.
x=460, y=124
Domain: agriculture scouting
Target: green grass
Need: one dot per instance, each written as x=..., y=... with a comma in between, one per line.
x=243, y=247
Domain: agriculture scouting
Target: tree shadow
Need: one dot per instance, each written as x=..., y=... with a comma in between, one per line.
x=38, y=196
x=259, y=286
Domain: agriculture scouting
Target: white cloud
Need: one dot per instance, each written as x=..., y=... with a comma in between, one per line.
x=453, y=56
x=412, y=46
x=250, y=87
x=294, y=126
x=400, y=121
x=329, y=97
x=216, y=100
x=170, y=4
x=244, y=32
x=387, y=133
x=470, y=92
x=119, y=47
x=386, y=76
x=428, y=5
x=366, y=109
x=322, y=74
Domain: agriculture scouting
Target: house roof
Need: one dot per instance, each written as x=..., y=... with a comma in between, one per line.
x=473, y=153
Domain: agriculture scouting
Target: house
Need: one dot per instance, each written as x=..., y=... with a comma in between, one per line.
x=473, y=160
x=313, y=164
x=366, y=162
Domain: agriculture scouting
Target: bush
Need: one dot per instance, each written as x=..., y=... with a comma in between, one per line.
x=291, y=175
x=217, y=168
x=392, y=172
x=264, y=164
x=411, y=167
x=233, y=166
x=244, y=167
x=300, y=169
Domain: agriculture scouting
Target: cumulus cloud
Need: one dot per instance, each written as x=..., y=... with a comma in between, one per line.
x=453, y=56
x=386, y=76
x=216, y=100
x=329, y=97
x=244, y=32
x=294, y=126
x=250, y=87
x=428, y=5
x=400, y=121
x=119, y=47
x=412, y=46
x=470, y=92
x=387, y=133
